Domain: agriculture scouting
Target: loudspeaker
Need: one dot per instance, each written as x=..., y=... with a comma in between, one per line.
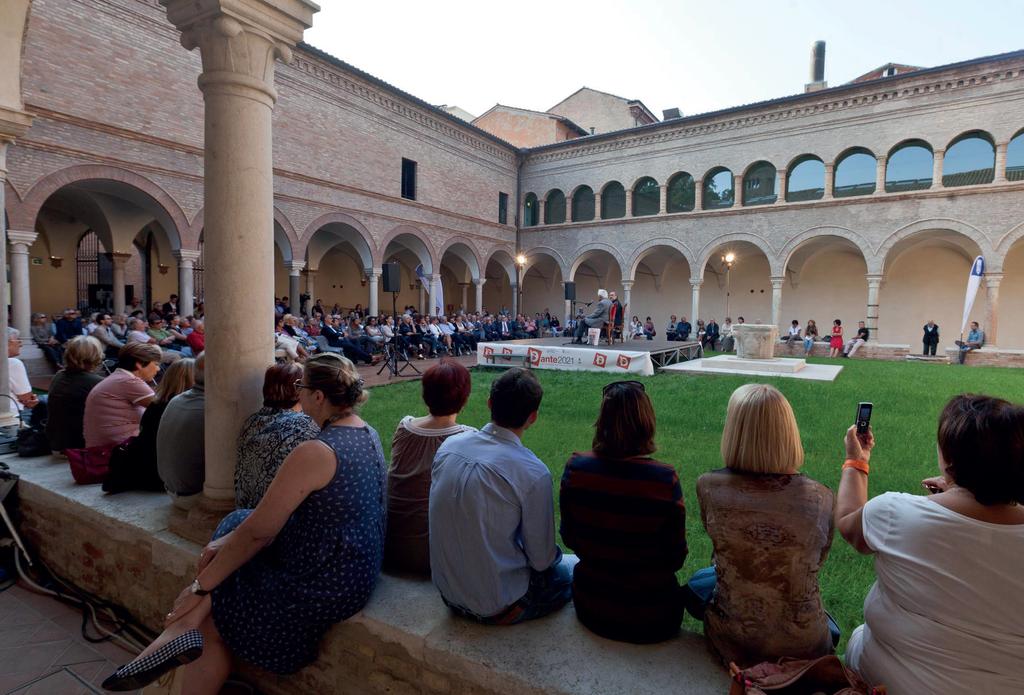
x=570, y=291
x=391, y=274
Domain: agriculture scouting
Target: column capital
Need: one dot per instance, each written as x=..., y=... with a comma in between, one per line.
x=119, y=258
x=15, y=237
x=777, y=281
x=696, y=283
x=295, y=267
x=993, y=279
x=874, y=279
x=187, y=255
x=627, y=284
x=373, y=273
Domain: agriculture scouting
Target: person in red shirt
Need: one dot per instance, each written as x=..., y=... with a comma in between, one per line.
x=197, y=338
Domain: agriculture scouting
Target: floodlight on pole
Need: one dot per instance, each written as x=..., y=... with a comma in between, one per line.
x=728, y=259
x=520, y=264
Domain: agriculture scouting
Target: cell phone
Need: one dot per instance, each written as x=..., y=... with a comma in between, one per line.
x=863, y=417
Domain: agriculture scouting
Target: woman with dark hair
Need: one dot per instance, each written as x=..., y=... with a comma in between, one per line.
x=276, y=578
x=114, y=407
x=946, y=609
x=836, y=341
x=446, y=386
x=270, y=434
x=623, y=515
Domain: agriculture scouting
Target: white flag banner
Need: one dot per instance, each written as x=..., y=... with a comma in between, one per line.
x=439, y=304
x=428, y=285
x=977, y=272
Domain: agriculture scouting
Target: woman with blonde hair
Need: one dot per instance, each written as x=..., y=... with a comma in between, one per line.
x=68, y=391
x=275, y=578
x=771, y=528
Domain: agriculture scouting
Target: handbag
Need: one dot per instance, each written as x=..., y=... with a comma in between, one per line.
x=826, y=674
x=90, y=465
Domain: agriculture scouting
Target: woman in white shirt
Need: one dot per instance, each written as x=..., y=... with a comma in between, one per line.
x=636, y=329
x=946, y=610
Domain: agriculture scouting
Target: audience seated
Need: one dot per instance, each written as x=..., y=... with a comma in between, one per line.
x=45, y=340
x=68, y=391
x=135, y=466
x=623, y=514
x=115, y=406
x=274, y=579
x=197, y=336
x=22, y=398
x=105, y=334
x=493, y=555
x=946, y=609
x=68, y=326
x=139, y=334
x=446, y=386
x=771, y=529
x=180, y=442
x=270, y=434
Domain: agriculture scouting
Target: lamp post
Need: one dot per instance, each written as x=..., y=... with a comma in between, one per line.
x=520, y=264
x=728, y=259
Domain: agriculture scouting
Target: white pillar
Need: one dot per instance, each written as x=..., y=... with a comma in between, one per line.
x=695, y=285
x=239, y=42
x=294, y=292
x=629, y=202
x=541, y=204
x=479, y=282
x=627, y=298
x=597, y=206
x=663, y=201
x=780, y=180
x=186, y=282
x=1000, y=173
x=777, y=283
x=937, y=158
x=737, y=193
x=311, y=286
x=21, y=294
x=880, y=174
x=698, y=196
x=515, y=299
x=871, y=318
x=830, y=180
x=373, y=280
x=465, y=295
x=118, y=262
x=991, y=327
x=420, y=305
x=435, y=300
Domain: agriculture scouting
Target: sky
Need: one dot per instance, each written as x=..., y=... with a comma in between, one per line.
x=697, y=56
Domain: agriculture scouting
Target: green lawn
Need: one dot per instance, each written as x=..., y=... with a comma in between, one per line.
x=691, y=410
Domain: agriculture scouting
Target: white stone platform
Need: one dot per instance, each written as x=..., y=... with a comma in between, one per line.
x=783, y=367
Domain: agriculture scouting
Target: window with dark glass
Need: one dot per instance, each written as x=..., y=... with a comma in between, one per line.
x=613, y=201
x=1015, y=158
x=805, y=179
x=502, y=208
x=583, y=204
x=759, y=184
x=554, y=208
x=408, y=179
x=718, y=189
x=680, y=193
x=530, y=211
x=646, y=197
x=970, y=160
x=909, y=167
x=854, y=174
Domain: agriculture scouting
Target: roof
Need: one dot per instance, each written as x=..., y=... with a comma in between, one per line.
x=881, y=70
x=793, y=99
x=628, y=102
x=554, y=116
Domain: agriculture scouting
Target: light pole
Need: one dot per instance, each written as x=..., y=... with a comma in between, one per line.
x=728, y=259
x=520, y=264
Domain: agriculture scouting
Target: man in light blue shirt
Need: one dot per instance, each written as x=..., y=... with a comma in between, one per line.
x=975, y=339
x=493, y=555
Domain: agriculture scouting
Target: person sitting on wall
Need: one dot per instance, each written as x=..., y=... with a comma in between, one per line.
x=810, y=335
x=975, y=340
x=649, y=330
x=67, y=326
x=105, y=334
x=139, y=334
x=44, y=339
x=20, y=389
x=180, y=442
x=595, y=319
x=853, y=345
x=931, y=338
x=68, y=391
x=711, y=334
x=727, y=339
x=683, y=329
x=670, y=328
x=793, y=336
x=197, y=337
x=493, y=555
x=114, y=407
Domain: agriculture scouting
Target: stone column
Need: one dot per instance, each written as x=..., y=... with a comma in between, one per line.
x=737, y=192
x=311, y=286
x=373, y=280
x=880, y=174
x=871, y=318
x=118, y=262
x=629, y=203
x=186, y=280
x=420, y=305
x=830, y=180
x=541, y=204
x=663, y=201
x=777, y=283
x=239, y=42
x=465, y=295
x=568, y=310
x=479, y=282
x=991, y=327
x=1000, y=173
x=780, y=181
x=937, y=159
x=515, y=299
x=698, y=195
x=21, y=294
x=294, y=292
x=435, y=300
x=695, y=286
x=627, y=296
x=597, y=206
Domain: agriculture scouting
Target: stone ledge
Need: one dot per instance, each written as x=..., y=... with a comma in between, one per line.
x=404, y=641
x=988, y=357
x=870, y=350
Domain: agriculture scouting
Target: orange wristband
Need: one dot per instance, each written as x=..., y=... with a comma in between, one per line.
x=855, y=464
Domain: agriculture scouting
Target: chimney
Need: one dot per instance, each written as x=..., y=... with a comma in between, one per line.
x=817, y=68
x=670, y=114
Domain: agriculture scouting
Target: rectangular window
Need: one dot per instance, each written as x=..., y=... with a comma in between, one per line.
x=503, y=208
x=408, y=179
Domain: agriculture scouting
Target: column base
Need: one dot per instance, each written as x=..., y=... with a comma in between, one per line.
x=199, y=523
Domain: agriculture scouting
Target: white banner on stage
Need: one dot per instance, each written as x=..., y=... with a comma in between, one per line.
x=573, y=359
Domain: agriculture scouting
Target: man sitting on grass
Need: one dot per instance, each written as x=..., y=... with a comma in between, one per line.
x=491, y=516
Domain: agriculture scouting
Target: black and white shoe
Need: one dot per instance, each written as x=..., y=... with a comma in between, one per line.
x=183, y=649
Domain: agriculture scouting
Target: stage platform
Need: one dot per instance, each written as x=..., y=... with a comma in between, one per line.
x=629, y=357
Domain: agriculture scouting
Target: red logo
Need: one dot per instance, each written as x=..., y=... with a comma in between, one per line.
x=506, y=351
x=488, y=351
x=623, y=361
x=600, y=359
x=533, y=354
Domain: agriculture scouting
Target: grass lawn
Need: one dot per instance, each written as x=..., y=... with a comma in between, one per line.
x=691, y=411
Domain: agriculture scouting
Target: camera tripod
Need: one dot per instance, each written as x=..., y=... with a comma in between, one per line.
x=391, y=363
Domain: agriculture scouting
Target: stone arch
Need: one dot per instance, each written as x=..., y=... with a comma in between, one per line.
x=502, y=257
x=709, y=249
x=415, y=241
x=465, y=251
x=344, y=228
x=883, y=254
x=584, y=253
x=284, y=233
x=576, y=189
x=532, y=254
x=1009, y=239
x=638, y=179
x=644, y=250
x=168, y=213
x=823, y=232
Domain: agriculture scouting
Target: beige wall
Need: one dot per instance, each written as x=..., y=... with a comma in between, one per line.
x=831, y=285
x=1011, y=299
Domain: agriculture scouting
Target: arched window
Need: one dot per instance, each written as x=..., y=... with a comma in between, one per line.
x=530, y=210
x=909, y=167
x=718, y=189
x=583, y=204
x=970, y=160
x=554, y=208
x=1015, y=158
x=613, y=201
x=805, y=179
x=759, y=184
x=680, y=192
x=855, y=173
x=646, y=197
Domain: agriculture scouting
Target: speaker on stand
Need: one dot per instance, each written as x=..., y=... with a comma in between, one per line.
x=391, y=275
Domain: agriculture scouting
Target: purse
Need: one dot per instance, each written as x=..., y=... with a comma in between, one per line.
x=826, y=674
x=90, y=465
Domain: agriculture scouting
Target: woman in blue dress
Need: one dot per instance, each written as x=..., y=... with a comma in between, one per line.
x=275, y=578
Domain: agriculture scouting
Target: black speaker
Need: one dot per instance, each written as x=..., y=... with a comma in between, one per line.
x=392, y=276
x=570, y=291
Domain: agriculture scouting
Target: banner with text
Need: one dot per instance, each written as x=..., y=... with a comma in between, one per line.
x=572, y=359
